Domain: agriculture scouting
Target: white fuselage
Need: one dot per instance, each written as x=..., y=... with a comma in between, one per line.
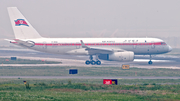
x=72, y=46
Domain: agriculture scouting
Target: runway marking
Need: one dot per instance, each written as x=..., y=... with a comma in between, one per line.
x=146, y=60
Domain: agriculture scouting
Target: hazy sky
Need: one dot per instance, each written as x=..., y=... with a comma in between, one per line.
x=96, y=18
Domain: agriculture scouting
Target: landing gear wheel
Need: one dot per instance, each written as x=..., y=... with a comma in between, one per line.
x=93, y=62
x=150, y=62
x=98, y=62
x=87, y=62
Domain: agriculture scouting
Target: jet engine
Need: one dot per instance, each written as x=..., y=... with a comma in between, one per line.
x=118, y=56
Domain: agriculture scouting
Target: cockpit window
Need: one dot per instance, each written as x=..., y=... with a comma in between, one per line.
x=163, y=43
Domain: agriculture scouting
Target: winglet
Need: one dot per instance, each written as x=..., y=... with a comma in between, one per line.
x=83, y=45
x=8, y=40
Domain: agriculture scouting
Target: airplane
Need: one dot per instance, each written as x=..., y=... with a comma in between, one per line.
x=110, y=49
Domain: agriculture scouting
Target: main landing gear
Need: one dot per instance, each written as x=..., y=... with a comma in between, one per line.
x=150, y=62
x=92, y=62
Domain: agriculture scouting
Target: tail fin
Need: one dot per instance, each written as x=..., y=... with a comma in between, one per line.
x=21, y=27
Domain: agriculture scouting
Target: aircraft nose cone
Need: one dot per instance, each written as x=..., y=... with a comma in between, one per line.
x=169, y=49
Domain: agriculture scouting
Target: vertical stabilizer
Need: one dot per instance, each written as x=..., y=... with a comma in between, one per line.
x=21, y=27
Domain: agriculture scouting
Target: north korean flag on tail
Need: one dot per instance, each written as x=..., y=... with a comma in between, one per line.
x=20, y=22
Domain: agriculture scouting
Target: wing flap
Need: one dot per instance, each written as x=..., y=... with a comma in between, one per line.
x=100, y=50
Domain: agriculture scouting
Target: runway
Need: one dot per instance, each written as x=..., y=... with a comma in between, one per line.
x=159, y=61
x=87, y=77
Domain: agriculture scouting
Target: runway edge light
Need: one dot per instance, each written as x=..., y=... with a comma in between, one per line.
x=27, y=85
x=24, y=82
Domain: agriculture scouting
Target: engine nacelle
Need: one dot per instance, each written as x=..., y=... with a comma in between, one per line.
x=118, y=56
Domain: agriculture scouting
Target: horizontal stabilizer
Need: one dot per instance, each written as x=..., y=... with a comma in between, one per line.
x=8, y=40
x=25, y=43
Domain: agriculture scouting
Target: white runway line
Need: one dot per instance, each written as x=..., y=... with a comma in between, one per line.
x=153, y=67
x=46, y=59
x=146, y=60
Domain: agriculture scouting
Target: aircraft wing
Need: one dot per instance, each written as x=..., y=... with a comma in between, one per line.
x=100, y=50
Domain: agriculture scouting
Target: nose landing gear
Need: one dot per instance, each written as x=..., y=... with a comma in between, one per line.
x=92, y=62
x=150, y=62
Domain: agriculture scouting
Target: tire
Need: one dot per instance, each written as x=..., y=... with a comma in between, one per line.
x=150, y=62
x=93, y=62
x=87, y=62
x=98, y=62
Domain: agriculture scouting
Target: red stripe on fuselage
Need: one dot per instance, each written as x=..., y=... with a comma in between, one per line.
x=13, y=42
x=96, y=44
